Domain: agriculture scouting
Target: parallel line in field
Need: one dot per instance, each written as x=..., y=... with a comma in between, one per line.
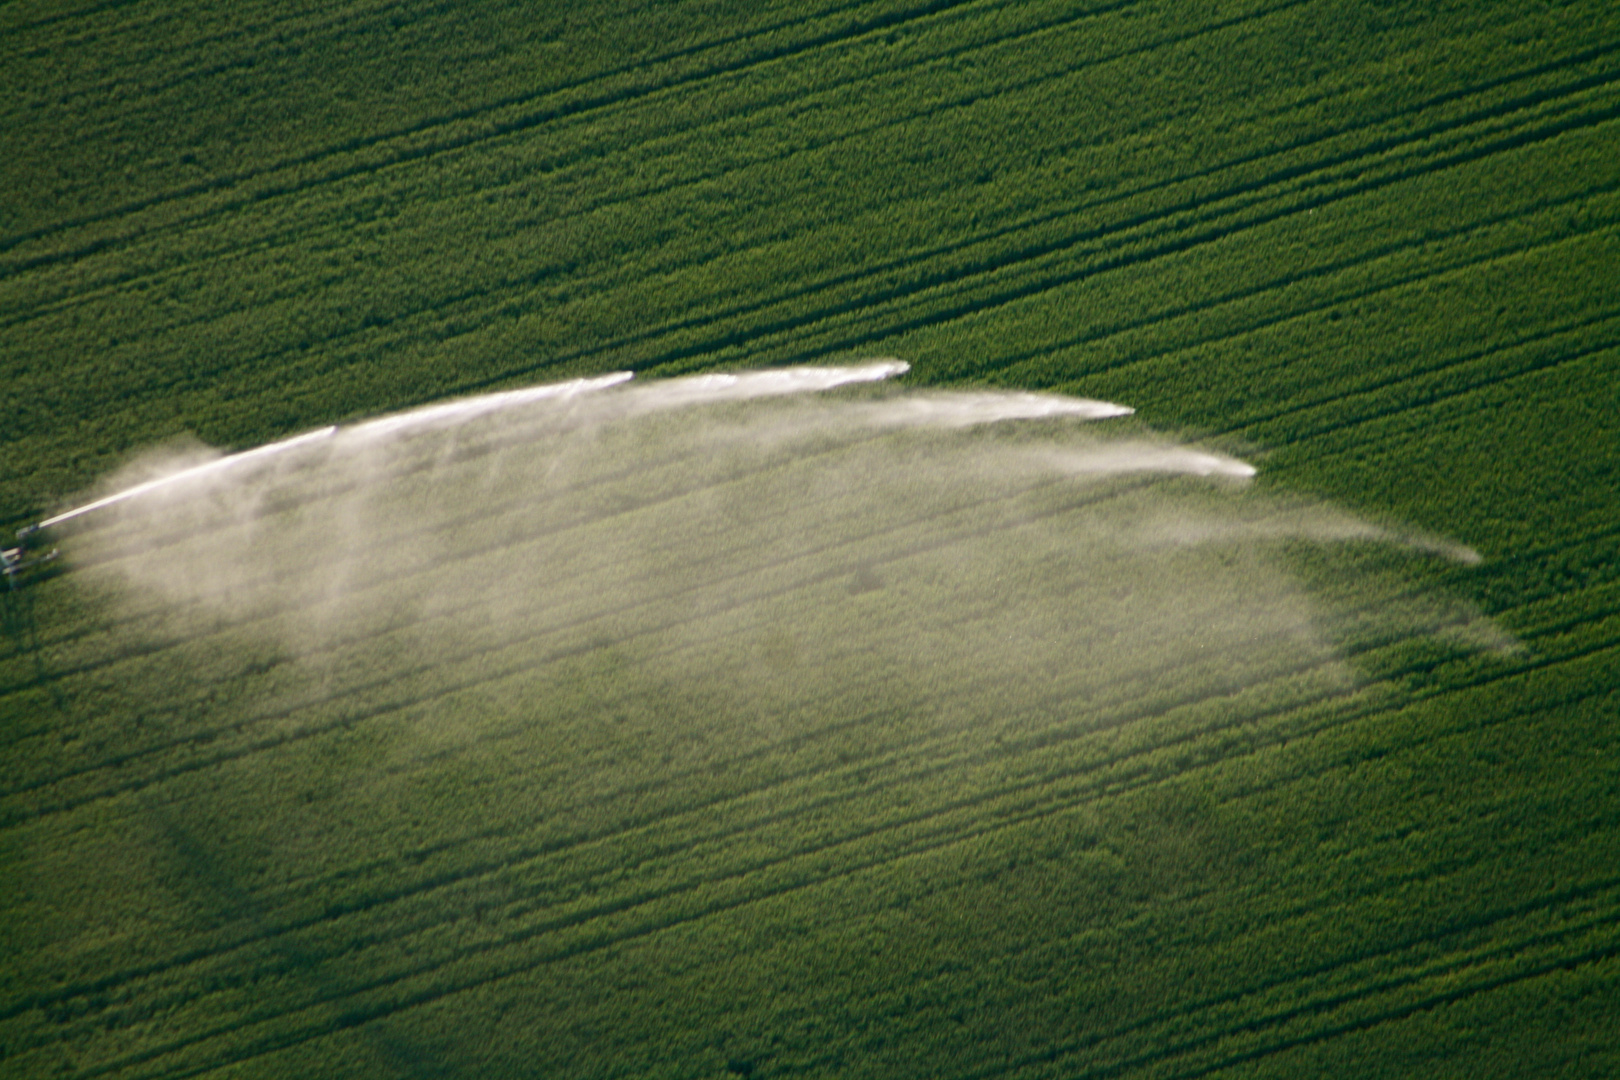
x=1180, y=245
x=518, y=285
x=1577, y=58
x=1376, y=988
x=1047, y=218
x=312, y=23
x=1338, y=964
x=708, y=804
x=271, y=43
x=1598, y=51
x=506, y=859
x=353, y=1019
x=943, y=277
x=892, y=294
x=972, y=98
x=1452, y=395
x=170, y=226
x=361, y=142
x=1107, y=788
x=1111, y=787
x=1530, y=367
x=1292, y=314
x=521, y=282
x=884, y=22
x=1374, y=289
x=1451, y=929
x=413, y=931
x=1375, y=414
x=1444, y=264
x=1542, y=335
x=367, y=1014
x=950, y=311
x=66, y=16
x=1169, y=248
x=870, y=337
x=1278, y=176
x=1427, y=1004
x=1175, y=209
x=1314, y=911
x=1599, y=559
x=1036, y=249
x=1455, y=927
x=886, y=754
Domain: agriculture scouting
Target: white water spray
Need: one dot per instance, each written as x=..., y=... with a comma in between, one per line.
x=670, y=394
x=601, y=509
x=629, y=582
x=464, y=409
x=695, y=390
x=947, y=410
x=195, y=472
x=1138, y=457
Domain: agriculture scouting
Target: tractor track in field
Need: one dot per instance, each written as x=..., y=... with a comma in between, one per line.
x=518, y=284
x=363, y=1014
x=1105, y=787
x=1447, y=262
x=1172, y=247
x=591, y=100
x=757, y=339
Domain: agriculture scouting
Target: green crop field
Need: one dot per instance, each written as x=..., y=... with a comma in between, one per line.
x=812, y=736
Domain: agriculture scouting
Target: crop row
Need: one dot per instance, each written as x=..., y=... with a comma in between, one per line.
x=216, y=359
x=587, y=772
x=1505, y=799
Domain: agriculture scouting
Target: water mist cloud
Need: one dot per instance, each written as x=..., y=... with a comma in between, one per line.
x=738, y=552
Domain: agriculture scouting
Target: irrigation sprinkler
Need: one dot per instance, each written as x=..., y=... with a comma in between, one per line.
x=15, y=560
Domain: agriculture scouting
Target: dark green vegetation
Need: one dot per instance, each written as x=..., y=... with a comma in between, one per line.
x=1371, y=245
